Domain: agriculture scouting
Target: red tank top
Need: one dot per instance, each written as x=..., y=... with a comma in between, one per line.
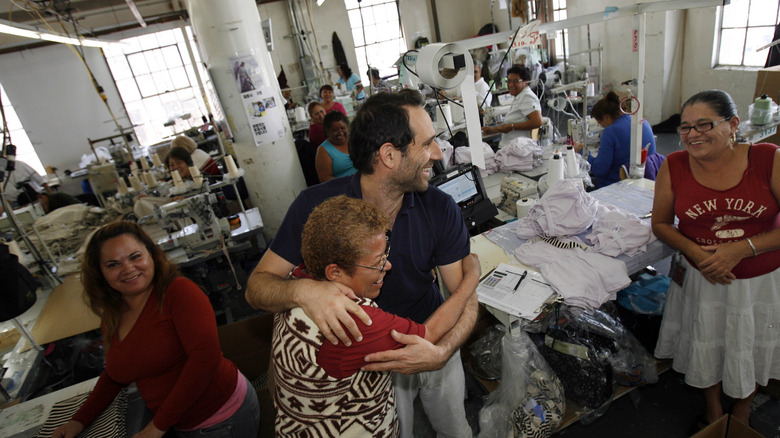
x=711, y=217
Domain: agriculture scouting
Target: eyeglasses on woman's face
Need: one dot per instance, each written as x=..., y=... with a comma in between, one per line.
x=381, y=266
x=701, y=126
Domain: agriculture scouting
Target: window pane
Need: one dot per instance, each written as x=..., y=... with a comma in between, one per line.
x=167, y=37
x=763, y=13
x=163, y=81
x=154, y=60
x=756, y=38
x=368, y=16
x=179, y=78
x=171, y=56
x=391, y=12
x=732, y=42
x=372, y=34
x=137, y=63
x=128, y=90
x=736, y=13
x=350, y=4
x=146, y=85
x=357, y=36
x=148, y=42
x=354, y=19
x=24, y=148
x=119, y=68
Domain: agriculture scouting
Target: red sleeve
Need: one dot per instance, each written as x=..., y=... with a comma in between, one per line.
x=340, y=361
x=102, y=395
x=196, y=326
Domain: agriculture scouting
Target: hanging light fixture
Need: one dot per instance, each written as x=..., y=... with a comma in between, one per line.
x=30, y=32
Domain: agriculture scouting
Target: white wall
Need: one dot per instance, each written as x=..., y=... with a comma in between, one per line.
x=697, y=73
x=57, y=104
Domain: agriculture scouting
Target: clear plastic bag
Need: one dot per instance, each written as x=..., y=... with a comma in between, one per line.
x=529, y=401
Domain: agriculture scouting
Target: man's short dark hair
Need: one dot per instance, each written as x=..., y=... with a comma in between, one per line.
x=383, y=118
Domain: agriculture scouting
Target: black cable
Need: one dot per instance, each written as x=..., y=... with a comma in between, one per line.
x=403, y=60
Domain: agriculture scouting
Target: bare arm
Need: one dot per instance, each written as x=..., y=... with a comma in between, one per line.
x=449, y=313
x=327, y=303
x=534, y=121
x=323, y=164
x=420, y=354
x=664, y=229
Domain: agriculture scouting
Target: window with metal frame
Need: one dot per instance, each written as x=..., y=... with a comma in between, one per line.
x=376, y=31
x=156, y=81
x=745, y=26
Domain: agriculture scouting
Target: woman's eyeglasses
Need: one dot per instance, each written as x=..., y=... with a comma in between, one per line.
x=382, y=263
x=700, y=127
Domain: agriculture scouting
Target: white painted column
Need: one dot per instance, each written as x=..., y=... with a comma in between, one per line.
x=228, y=29
x=636, y=170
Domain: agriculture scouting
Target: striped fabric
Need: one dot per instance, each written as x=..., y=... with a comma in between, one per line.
x=111, y=422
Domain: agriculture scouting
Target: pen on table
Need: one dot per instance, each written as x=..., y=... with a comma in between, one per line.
x=522, y=277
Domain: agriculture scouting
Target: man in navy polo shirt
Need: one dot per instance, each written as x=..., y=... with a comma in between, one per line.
x=391, y=144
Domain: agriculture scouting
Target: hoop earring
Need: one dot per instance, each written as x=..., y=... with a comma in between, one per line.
x=733, y=139
x=680, y=144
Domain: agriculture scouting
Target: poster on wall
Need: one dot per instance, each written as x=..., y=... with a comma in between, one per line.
x=266, y=118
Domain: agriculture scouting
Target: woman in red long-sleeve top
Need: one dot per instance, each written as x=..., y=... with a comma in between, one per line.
x=160, y=332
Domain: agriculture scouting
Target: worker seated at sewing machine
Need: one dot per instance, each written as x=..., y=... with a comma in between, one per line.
x=185, y=179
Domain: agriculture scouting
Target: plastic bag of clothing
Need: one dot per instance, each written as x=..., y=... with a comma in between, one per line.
x=646, y=296
x=486, y=353
x=530, y=401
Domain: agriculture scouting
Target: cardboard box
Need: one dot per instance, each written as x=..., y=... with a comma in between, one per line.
x=248, y=344
x=727, y=427
x=768, y=82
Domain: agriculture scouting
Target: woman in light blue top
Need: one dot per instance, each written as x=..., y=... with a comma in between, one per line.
x=351, y=80
x=332, y=160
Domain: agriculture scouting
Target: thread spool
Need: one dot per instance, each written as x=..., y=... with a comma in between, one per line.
x=231, y=166
x=523, y=207
x=144, y=164
x=135, y=183
x=444, y=113
x=151, y=181
x=300, y=115
x=133, y=167
x=122, y=186
x=177, y=181
x=555, y=169
x=572, y=169
x=194, y=171
x=197, y=180
x=156, y=160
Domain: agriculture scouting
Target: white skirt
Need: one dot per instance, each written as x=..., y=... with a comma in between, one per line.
x=723, y=333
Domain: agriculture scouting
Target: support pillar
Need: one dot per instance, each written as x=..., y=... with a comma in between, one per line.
x=228, y=29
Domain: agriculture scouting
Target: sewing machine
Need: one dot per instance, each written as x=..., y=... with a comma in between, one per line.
x=207, y=231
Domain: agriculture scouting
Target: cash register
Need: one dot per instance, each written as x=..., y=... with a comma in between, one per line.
x=464, y=183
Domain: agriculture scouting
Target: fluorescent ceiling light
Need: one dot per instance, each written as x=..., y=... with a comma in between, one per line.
x=320, y=2
x=29, y=32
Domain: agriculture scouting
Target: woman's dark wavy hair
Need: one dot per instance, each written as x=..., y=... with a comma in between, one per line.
x=104, y=300
x=720, y=102
x=333, y=117
x=609, y=105
x=325, y=87
x=346, y=70
x=383, y=118
x=520, y=70
x=179, y=153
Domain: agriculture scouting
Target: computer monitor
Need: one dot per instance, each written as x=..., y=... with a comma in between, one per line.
x=464, y=184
